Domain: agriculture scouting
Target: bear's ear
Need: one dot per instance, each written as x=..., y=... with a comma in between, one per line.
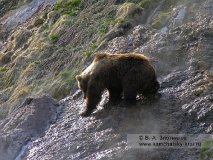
x=79, y=78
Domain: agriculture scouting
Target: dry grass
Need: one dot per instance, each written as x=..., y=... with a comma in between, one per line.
x=19, y=39
x=41, y=60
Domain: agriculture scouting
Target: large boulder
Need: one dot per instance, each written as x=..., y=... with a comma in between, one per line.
x=25, y=124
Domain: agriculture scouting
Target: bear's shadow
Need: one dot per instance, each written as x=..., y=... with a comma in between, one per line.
x=122, y=107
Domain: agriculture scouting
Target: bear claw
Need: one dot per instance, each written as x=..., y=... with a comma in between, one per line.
x=85, y=113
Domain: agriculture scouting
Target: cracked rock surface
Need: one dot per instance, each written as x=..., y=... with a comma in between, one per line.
x=25, y=124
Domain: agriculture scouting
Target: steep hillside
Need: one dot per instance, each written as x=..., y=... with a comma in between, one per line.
x=43, y=48
x=44, y=52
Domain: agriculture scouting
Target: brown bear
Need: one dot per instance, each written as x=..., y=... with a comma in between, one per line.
x=130, y=74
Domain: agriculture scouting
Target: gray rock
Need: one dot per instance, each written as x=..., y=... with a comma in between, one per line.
x=25, y=124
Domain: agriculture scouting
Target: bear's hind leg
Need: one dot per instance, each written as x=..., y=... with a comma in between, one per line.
x=130, y=96
x=130, y=87
x=114, y=96
x=152, y=88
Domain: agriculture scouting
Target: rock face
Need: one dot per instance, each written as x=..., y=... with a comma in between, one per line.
x=182, y=58
x=25, y=13
x=181, y=52
x=25, y=124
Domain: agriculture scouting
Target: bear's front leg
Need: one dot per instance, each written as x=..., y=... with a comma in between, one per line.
x=86, y=113
x=93, y=97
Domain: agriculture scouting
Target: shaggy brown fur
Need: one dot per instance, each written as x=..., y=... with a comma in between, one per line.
x=127, y=73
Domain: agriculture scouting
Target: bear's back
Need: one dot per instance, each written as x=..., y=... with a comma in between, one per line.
x=119, y=64
x=120, y=57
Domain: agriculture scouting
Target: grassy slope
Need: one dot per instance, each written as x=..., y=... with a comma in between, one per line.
x=45, y=55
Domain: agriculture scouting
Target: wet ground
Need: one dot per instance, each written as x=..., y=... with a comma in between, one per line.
x=182, y=57
x=103, y=135
x=184, y=104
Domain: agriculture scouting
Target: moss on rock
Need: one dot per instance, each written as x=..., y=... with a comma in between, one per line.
x=161, y=20
x=130, y=12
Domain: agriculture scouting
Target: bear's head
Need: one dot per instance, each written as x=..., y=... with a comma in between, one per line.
x=82, y=84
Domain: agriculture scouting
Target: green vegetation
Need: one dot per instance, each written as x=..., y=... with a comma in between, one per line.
x=103, y=25
x=65, y=74
x=6, y=5
x=148, y=4
x=119, y=21
x=69, y=81
x=3, y=69
x=56, y=74
x=67, y=78
x=68, y=22
x=37, y=63
x=93, y=46
x=38, y=22
x=161, y=20
x=28, y=1
x=45, y=15
x=169, y=3
x=49, y=54
x=7, y=78
x=103, y=29
x=18, y=4
x=88, y=53
x=69, y=7
x=53, y=37
x=129, y=3
x=45, y=28
x=14, y=7
x=8, y=81
x=205, y=152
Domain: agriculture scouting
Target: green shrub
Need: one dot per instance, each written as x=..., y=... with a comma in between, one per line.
x=88, y=53
x=68, y=22
x=94, y=46
x=65, y=74
x=45, y=28
x=69, y=7
x=56, y=74
x=206, y=152
x=118, y=21
x=3, y=69
x=53, y=37
x=37, y=63
x=103, y=28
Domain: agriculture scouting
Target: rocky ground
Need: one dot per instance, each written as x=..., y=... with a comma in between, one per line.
x=176, y=37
